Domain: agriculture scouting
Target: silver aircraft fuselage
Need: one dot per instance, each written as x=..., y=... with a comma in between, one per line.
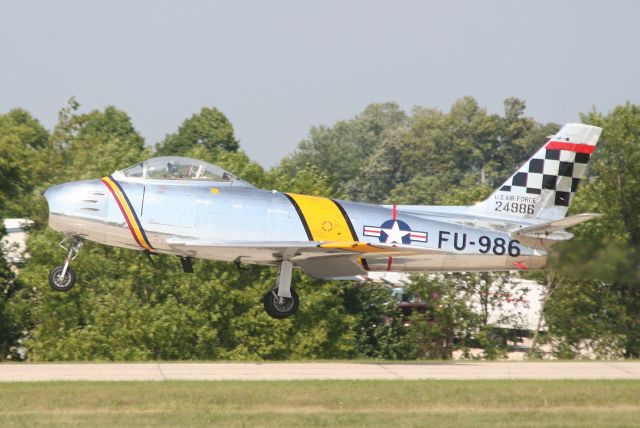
x=214, y=220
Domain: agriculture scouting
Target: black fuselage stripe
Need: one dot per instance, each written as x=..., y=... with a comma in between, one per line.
x=354, y=236
x=302, y=219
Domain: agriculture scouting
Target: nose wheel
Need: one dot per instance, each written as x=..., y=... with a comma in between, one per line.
x=63, y=278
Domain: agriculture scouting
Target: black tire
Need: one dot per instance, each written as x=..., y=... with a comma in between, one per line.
x=62, y=284
x=280, y=311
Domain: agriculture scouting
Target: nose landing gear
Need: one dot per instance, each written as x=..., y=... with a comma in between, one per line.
x=62, y=278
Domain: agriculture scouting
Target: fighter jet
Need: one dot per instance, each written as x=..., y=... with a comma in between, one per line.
x=193, y=209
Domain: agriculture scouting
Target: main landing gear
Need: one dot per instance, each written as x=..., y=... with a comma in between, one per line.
x=62, y=278
x=282, y=301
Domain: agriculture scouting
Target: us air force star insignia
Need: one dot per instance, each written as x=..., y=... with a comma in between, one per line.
x=395, y=232
x=395, y=235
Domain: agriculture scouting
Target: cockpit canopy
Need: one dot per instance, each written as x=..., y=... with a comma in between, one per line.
x=179, y=168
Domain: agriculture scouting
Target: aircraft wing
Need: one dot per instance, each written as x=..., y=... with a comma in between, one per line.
x=274, y=250
x=319, y=259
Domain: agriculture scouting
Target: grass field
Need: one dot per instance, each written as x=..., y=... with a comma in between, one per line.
x=321, y=403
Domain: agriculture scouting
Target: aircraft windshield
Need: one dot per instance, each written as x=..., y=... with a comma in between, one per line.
x=178, y=168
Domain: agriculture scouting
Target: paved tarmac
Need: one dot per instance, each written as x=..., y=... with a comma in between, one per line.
x=17, y=372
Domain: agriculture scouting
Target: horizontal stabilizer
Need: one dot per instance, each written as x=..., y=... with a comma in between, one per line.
x=550, y=227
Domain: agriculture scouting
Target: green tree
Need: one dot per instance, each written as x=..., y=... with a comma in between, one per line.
x=23, y=168
x=341, y=151
x=209, y=129
x=308, y=179
x=82, y=146
x=23, y=164
x=447, y=322
x=379, y=329
x=9, y=324
x=124, y=309
x=463, y=310
x=599, y=302
x=465, y=148
x=95, y=144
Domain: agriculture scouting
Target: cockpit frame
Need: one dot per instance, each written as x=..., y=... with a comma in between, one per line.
x=178, y=169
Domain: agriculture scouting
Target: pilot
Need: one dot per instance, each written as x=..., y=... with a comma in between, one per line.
x=172, y=170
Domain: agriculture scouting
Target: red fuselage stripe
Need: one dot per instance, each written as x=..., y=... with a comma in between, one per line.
x=389, y=262
x=578, y=148
x=394, y=212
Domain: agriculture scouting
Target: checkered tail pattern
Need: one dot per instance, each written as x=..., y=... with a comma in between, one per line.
x=545, y=185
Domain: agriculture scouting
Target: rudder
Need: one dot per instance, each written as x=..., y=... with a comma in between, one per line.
x=544, y=185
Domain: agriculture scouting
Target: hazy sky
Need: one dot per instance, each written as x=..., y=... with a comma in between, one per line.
x=276, y=68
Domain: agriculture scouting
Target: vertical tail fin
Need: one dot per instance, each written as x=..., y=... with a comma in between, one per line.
x=544, y=186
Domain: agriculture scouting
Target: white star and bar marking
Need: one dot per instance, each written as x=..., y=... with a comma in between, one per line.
x=394, y=234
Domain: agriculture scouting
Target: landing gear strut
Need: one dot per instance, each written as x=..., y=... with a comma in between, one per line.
x=62, y=278
x=282, y=301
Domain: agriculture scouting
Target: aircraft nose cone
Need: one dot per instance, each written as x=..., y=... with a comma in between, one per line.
x=72, y=206
x=76, y=197
x=58, y=197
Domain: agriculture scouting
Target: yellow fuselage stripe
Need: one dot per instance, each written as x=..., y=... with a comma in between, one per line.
x=324, y=219
x=127, y=211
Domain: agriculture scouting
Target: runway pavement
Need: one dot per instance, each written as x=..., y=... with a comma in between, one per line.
x=17, y=372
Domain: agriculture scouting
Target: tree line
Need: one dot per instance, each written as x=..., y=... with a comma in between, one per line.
x=123, y=308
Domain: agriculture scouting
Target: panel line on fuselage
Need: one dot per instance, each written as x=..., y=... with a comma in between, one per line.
x=129, y=213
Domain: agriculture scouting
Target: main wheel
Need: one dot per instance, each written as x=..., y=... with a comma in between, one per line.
x=281, y=307
x=58, y=283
